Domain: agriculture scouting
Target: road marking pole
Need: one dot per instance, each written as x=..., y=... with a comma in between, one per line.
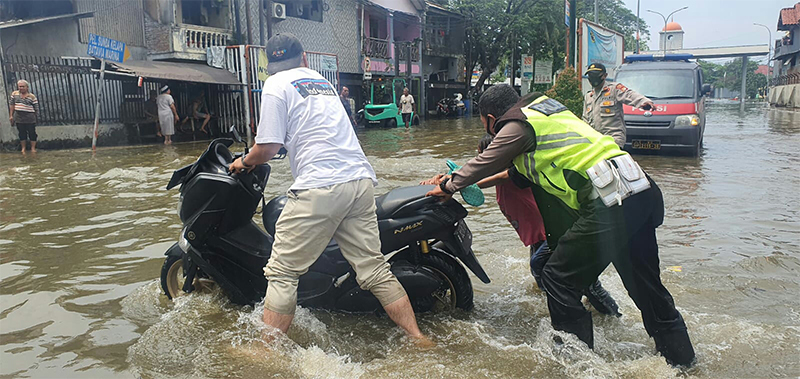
x=97, y=106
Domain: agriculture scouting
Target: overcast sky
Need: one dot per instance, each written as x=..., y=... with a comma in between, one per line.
x=709, y=23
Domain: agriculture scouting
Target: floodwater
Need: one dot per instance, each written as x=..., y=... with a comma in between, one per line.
x=82, y=242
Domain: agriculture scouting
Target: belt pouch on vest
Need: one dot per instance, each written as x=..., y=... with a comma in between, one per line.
x=606, y=183
x=631, y=175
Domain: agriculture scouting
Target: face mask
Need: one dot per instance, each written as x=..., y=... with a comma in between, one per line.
x=595, y=80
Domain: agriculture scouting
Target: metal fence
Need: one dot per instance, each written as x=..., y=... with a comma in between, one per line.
x=66, y=88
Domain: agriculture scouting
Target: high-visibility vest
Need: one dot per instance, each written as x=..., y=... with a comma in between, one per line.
x=563, y=143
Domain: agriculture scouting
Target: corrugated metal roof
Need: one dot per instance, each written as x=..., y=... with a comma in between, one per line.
x=789, y=16
x=185, y=72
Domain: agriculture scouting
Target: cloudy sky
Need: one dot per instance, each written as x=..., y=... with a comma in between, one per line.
x=708, y=23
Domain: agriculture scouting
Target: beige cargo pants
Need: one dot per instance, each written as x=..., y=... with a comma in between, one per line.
x=310, y=219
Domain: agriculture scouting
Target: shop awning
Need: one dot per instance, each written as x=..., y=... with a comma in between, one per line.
x=15, y=23
x=184, y=72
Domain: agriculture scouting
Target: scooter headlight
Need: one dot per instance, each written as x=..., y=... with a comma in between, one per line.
x=687, y=120
x=183, y=243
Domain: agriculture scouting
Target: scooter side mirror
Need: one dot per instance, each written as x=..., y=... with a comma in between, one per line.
x=236, y=136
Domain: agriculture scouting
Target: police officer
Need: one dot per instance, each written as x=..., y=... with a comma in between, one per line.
x=602, y=106
x=557, y=154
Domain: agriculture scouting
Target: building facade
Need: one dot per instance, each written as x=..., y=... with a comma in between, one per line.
x=785, y=85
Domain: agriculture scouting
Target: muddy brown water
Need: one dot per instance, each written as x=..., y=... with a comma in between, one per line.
x=82, y=242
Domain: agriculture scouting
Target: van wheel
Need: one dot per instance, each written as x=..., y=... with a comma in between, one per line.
x=391, y=123
x=415, y=120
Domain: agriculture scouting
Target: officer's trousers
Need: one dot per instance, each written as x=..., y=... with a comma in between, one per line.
x=626, y=237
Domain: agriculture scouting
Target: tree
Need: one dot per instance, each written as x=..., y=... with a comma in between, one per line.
x=489, y=23
x=732, y=77
x=567, y=91
x=712, y=72
x=613, y=14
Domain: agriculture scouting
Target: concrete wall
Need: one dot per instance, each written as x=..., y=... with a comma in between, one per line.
x=67, y=136
x=338, y=33
x=785, y=96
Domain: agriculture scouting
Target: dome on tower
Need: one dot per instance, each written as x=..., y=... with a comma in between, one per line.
x=673, y=27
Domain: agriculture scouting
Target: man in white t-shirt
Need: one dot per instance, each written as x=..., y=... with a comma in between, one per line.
x=332, y=194
x=406, y=106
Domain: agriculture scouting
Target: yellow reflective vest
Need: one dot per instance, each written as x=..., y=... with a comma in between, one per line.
x=563, y=142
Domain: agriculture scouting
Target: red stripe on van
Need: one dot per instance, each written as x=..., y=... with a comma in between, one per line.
x=664, y=109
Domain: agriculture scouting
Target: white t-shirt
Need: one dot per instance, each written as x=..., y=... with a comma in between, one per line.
x=406, y=103
x=301, y=110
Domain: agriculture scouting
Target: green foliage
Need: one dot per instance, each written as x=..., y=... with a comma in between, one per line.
x=567, y=90
x=495, y=27
x=613, y=14
x=729, y=76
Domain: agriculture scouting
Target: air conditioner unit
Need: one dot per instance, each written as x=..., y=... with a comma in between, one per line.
x=279, y=11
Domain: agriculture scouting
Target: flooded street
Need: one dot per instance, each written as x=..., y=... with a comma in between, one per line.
x=82, y=242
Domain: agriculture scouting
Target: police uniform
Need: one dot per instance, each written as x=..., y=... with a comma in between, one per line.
x=585, y=234
x=603, y=111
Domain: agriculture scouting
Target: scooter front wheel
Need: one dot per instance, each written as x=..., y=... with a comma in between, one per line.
x=455, y=290
x=173, y=276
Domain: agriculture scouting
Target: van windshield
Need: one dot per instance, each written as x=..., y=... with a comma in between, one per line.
x=661, y=84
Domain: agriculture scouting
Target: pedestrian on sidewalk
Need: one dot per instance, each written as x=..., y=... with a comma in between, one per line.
x=345, y=97
x=167, y=114
x=24, y=114
x=332, y=193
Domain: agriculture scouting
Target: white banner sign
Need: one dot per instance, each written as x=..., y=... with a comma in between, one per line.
x=544, y=72
x=527, y=67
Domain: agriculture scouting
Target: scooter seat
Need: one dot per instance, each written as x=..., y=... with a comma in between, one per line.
x=391, y=201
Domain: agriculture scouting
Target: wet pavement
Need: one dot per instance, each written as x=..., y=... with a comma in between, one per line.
x=82, y=242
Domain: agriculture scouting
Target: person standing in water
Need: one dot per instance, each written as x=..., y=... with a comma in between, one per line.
x=24, y=112
x=167, y=114
x=406, y=106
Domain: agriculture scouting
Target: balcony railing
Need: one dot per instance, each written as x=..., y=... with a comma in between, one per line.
x=446, y=44
x=793, y=78
x=195, y=39
x=376, y=48
x=404, y=51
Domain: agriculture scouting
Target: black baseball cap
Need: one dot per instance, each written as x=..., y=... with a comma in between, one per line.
x=284, y=52
x=595, y=67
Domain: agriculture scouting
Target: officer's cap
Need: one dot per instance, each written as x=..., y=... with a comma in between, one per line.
x=594, y=67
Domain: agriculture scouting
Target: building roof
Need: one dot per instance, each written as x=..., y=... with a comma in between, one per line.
x=185, y=72
x=15, y=23
x=789, y=16
x=673, y=27
x=438, y=8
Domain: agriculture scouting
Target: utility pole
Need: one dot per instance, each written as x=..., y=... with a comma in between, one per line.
x=743, y=93
x=572, y=19
x=595, y=11
x=637, y=26
x=769, y=47
x=664, y=35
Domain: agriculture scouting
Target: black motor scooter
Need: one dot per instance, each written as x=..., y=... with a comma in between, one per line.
x=423, y=239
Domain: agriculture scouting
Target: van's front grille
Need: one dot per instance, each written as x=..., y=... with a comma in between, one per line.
x=374, y=111
x=648, y=124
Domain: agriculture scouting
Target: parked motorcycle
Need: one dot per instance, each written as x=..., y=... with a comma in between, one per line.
x=450, y=107
x=424, y=241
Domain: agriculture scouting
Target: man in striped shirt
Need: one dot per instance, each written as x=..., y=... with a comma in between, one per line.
x=24, y=110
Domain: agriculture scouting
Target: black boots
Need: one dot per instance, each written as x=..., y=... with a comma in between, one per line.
x=676, y=347
x=602, y=300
